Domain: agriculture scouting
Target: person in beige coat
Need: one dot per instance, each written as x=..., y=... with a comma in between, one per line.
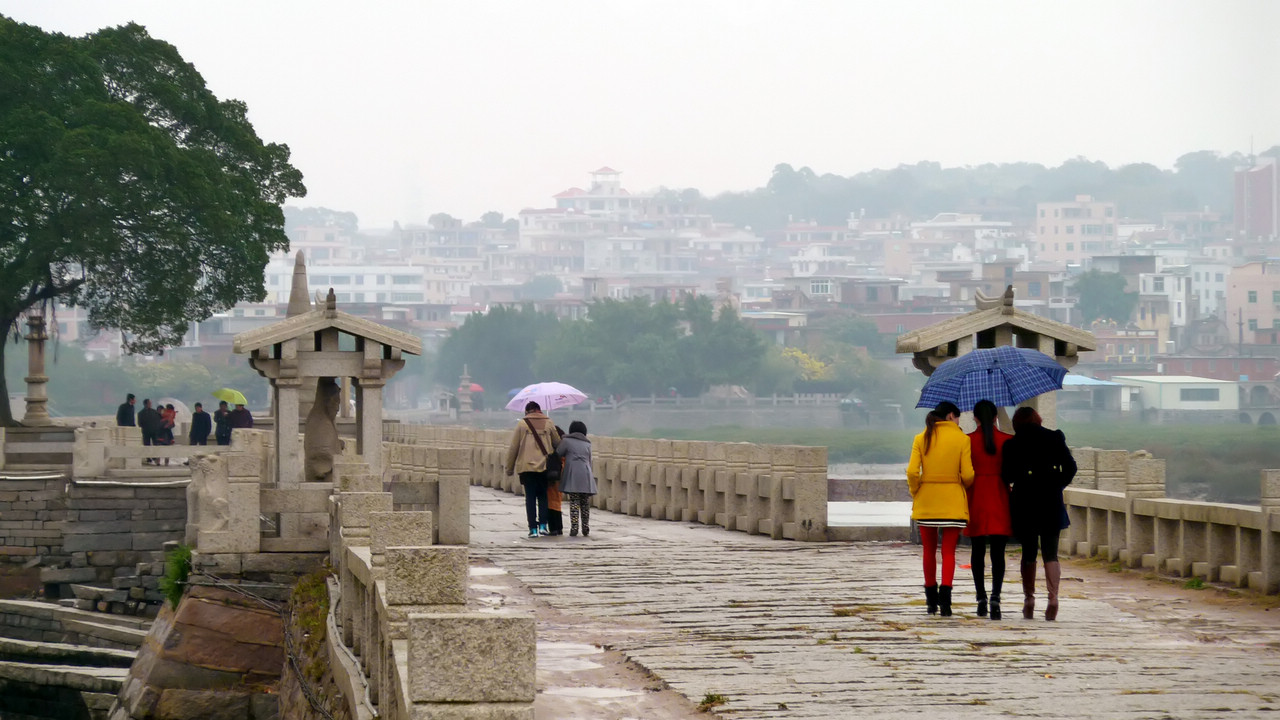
x=525, y=457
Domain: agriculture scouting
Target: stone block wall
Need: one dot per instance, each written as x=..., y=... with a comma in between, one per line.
x=404, y=635
x=774, y=490
x=1119, y=512
x=32, y=513
x=431, y=479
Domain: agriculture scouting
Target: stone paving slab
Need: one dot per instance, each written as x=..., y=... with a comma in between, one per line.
x=802, y=630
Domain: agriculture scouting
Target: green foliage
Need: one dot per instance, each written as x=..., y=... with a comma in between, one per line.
x=128, y=188
x=1102, y=297
x=295, y=217
x=636, y=347
x=310, y=608
x=711, y=700
x=541, y=287
x=859, y=332
x=177, y=568
x=1194, y=583
x=497, y=348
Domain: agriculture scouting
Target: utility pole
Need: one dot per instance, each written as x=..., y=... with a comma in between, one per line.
x=1240, y=329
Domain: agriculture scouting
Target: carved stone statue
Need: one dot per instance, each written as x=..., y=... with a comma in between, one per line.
x=321, y=442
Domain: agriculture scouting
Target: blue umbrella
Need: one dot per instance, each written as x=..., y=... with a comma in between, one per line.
x=1005, y=375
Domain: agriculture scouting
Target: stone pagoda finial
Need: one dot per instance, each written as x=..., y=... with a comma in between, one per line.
x=299, y=295
x=331, y=305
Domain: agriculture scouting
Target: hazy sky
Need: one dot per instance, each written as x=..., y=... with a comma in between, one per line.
x=396, y=110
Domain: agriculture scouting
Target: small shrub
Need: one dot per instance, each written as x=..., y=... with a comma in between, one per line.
x=1194, y=583
x=177, y=568
x=711, y=700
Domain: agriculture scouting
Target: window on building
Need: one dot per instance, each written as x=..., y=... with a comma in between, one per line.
x=1109, y=212
x=1218, y=277
x=1042, y=227
x=900, y=328
x=1157, y=284
x=1071, y=247
x=1008, y=273
x=1197, y=276
x=873, y=294
x=1253, y=296
x=404, y=279
x=1033, y=288
x=1198, y=394
x=1042, y=215
x=1071, y=229
x=820, y=287
x=1253, y=324
x=1275, y=296
x=339, y=279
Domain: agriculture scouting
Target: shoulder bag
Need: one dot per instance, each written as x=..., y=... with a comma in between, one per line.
x=552, y=459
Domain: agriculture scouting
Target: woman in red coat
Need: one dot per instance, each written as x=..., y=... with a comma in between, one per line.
x=989, y=523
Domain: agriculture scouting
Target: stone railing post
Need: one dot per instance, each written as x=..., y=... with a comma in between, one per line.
x=453, y=522
x=1270, y=502
x=1144, y=480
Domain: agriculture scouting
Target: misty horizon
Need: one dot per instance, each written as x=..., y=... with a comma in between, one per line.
x=398, y=112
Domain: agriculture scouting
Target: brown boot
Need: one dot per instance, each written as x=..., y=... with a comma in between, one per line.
x=1029, y=590
x=1052, y=576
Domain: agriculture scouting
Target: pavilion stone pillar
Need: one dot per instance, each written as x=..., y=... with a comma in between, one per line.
x=1047, y=404
x=369, y=408
x=37, y=391
x=286, y=396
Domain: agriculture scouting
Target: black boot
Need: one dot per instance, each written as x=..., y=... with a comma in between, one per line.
x=995, y=605
x=931, y=598
x=944, y=601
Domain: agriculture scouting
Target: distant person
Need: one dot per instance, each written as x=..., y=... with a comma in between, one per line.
x=1037, y=467
x=201, y=426
x=532, y=440
x=124, y=413
x=988, y=506
x=241, y=418
x=222, y=423
x=150, y=423
x=577, y=479
x=941, y=468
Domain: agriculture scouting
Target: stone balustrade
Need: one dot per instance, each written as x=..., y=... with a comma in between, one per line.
x=1119, y=512
x=405, y=636
x=774, y=490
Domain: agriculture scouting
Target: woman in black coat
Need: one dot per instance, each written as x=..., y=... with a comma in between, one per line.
x=1037, y=466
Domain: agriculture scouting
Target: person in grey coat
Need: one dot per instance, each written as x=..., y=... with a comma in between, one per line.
x=577, y=480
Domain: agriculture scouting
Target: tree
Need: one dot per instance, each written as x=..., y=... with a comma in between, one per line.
x=497, y=348
x=1102, y=297
x=541, y=287
x=128, y=188
x=295, y=217
x=492, y=219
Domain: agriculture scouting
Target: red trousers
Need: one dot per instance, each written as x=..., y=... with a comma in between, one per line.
x=929, y=539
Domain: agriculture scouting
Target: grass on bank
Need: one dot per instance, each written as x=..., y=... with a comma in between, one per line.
x=1218, y=463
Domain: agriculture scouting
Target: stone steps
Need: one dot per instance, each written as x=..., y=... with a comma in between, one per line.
x=47, y=622
x=35, y=690
x=45, y=653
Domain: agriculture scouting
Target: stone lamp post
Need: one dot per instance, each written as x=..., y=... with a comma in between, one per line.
x=37, y=391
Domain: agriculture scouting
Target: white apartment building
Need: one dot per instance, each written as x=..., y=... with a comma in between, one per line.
x=1209, y=284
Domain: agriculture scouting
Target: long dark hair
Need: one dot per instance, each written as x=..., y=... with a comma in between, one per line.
x=985, y=413
x=935, y=416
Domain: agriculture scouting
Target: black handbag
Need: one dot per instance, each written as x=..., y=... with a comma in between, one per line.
x=552, y=459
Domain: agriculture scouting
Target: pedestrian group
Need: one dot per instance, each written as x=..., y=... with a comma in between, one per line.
x=157, y=423
x=990, y=485
x=552, y=464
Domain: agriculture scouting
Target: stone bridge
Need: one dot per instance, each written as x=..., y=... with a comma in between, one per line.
x=713, y=567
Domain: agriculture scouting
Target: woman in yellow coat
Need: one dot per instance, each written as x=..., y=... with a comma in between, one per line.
x=941, y=468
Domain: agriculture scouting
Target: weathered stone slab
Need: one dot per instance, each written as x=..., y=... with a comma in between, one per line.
x=471, y=657
x=434, y=575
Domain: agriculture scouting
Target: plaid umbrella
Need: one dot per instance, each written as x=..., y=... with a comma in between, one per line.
x=1007, y=376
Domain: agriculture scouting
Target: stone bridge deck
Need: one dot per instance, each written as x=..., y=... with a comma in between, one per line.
x=755, y=620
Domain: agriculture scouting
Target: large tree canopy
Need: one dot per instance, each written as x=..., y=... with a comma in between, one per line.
x=1102, y=297
x=127, y=188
